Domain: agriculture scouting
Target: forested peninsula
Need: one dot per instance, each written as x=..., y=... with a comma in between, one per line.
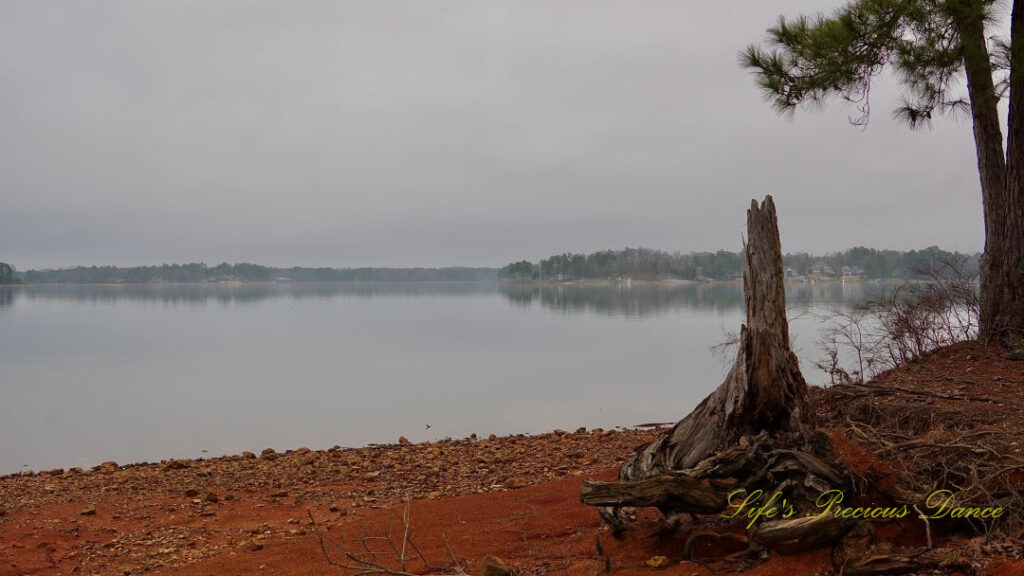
x=648, y=264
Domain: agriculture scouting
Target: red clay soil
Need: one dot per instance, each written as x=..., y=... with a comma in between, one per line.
x=539, y=529
x=516, y=498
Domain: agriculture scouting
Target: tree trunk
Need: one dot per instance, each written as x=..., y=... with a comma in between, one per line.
x=1002, y=298
x=1002, y=188
x=764, y=390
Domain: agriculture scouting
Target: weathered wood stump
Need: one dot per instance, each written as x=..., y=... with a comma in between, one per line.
x=764, y=390
x=750, y=433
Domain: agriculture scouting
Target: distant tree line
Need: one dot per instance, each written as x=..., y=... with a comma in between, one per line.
x=8, y=275
x=244, y=272
x=634, y=263
x=645, y=263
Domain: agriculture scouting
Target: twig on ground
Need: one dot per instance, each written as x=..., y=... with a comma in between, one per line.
x=356, y=565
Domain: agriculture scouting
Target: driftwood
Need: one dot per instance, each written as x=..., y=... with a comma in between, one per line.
x=668, y=490
x=890, y=565
x=798, y=534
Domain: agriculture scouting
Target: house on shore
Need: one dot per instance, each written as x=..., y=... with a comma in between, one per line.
x=820, y=270
x=852, y=273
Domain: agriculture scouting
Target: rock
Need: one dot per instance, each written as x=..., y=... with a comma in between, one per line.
x=89, y=510
x=3, y=512
x=332, y=508
x=177, y=465
x=581, y=430
x=191, y=493
x=255, y=545
x=515, y=483
x=403, y=440
x=280, y=494
x=560, y=432
x=493, y=566
x=658, y=562
x=248, y=455
x=209, y=497
x=105, y=467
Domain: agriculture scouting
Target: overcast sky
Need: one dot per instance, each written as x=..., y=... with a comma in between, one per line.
x=380, y=133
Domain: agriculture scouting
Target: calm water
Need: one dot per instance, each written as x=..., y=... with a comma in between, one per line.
x=142, y=373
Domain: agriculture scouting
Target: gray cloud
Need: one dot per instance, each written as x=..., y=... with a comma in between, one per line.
x=435, y=133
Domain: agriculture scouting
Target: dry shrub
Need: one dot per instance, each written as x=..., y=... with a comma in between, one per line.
x=901, y=323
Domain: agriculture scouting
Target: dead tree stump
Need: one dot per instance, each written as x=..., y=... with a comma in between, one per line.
x=764, y=390
x=749, y=433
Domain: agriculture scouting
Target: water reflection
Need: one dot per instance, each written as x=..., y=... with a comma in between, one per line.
x=6, y=296
x=655, y=298
x=244, y=292
x=639, y=299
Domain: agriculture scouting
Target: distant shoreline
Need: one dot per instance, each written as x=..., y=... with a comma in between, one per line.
x=606, y=281
x=246, y=283
x=670, y=281
x=503, y=282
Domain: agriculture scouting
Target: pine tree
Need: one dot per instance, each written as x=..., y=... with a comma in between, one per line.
x=932, y=45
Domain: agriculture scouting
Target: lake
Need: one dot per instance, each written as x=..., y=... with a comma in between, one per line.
x=147, y=372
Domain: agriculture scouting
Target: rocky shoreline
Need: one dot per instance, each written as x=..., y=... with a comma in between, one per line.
x=138, y=518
